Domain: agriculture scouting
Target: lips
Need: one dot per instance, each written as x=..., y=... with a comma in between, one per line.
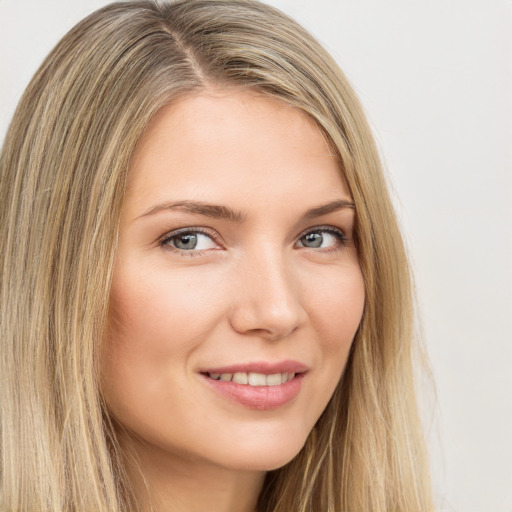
x=260, y=385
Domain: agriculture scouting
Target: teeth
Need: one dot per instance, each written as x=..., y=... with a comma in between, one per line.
x=254, y=379
x=257, y=379
x=274, y=380
x=240, y=378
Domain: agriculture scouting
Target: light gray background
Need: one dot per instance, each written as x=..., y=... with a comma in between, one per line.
x=436, y=80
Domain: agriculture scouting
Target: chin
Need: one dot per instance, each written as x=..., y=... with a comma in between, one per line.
x=266, y=455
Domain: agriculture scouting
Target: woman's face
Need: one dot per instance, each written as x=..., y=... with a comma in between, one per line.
x=237, y=290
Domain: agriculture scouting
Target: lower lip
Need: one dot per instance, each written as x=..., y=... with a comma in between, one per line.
x=261, y=398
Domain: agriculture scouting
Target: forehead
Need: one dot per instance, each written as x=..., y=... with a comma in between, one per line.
x=230, y=145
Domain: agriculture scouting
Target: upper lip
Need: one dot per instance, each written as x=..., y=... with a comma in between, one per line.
x=265, y=367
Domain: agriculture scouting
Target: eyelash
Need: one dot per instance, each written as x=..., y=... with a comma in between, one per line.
x=336, y=232
x=340, y=236
x=164, y=242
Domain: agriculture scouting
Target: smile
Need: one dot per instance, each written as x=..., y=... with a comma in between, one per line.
x=260, y=386
x=253, y=378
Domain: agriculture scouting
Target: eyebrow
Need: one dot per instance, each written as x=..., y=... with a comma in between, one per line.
x=333, y=206
x=224, y=212
x=198, y=208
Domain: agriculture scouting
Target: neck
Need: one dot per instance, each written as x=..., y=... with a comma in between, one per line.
x=161, y=482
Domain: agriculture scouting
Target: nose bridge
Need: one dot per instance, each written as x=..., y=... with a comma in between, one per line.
x=269, y=299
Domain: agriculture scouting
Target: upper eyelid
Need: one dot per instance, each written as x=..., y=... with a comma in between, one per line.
x=213, y=233
x=192, y=229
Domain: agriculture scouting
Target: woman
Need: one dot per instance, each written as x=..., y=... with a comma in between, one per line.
x=205, y=297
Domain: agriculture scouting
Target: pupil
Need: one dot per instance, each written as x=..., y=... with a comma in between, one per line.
x=313, y=240
x=186, y=241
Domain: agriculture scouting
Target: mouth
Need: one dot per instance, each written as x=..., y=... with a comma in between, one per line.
x=258, y=386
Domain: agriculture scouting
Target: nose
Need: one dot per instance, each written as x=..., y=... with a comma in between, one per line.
x=268, y=299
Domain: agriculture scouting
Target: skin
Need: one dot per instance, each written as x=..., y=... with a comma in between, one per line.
x=253, y=289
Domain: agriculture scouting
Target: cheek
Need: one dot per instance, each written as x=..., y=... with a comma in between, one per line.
x=336, y=311
x=337, y=306
x=155, y=324
x=161, y=311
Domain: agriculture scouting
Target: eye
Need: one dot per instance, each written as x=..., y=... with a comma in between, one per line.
x=322, y=238
x=189, y=240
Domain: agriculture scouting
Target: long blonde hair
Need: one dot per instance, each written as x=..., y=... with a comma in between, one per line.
x=63, y=169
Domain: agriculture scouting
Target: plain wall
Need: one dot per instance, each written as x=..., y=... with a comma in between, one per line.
x=435, y=77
